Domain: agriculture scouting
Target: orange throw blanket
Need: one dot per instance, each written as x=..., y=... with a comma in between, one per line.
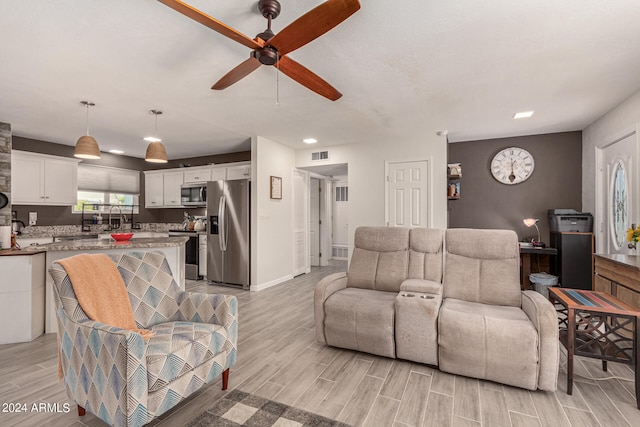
x=101, y=291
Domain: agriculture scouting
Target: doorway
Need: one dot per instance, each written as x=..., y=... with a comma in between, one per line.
x=315, y=204
x=616, y=190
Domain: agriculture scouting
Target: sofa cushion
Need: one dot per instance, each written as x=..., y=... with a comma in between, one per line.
x=380, y=258
x=361, y=319
x=178, y=348
x=425, y=254
x=482, y=266
x=497, y=343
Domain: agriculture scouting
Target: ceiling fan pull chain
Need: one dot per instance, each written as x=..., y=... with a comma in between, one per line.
x=277, y=79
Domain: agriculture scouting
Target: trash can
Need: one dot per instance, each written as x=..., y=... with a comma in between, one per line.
x=542, y=281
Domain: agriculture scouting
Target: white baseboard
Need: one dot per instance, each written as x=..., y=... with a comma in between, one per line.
x=270, y=283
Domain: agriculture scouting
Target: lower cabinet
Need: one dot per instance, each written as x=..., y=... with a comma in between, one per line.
x=22, y=297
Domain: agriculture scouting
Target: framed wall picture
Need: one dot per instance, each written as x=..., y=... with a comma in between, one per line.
x=276, y=187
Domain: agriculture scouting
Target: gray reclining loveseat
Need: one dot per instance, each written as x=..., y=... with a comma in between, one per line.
x=450, y=298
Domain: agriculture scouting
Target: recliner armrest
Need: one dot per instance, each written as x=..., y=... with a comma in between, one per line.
x=544, y=318
x=421, y=285
x=324, y=289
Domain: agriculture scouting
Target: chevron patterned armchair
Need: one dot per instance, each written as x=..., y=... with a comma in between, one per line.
x=127, y=381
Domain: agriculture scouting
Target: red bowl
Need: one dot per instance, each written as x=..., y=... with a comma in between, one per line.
x=121, y=237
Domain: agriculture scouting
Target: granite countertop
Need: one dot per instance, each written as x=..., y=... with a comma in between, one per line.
x=101, y=244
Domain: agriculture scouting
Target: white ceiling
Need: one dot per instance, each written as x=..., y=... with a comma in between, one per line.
x=405, y=69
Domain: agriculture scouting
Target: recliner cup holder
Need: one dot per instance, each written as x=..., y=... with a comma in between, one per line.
x=408, y=295
x=426, y=296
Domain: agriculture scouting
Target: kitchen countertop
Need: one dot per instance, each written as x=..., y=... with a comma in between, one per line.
x=93, y=244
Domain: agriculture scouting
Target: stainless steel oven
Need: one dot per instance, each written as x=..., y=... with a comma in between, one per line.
x=191, y=252
x=194, y=194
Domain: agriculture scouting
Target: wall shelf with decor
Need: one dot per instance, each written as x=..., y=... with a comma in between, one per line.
x=454, y=174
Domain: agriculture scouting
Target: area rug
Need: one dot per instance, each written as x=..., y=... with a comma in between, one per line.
x=238, y=408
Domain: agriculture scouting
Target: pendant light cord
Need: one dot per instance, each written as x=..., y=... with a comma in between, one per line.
x=87, y=119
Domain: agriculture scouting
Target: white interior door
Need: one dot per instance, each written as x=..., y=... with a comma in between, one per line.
x=618, y=184
x=314, y=221
x=299, y=223
x=407, y=194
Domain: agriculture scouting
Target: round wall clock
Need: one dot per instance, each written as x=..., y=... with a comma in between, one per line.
x=512, y=165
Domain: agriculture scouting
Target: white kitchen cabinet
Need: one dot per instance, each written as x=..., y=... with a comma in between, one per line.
x=172, y=183
x=218, y=173
x=162, y=188
x=22, y=297
x=38, y=179
x=199, y=174
x=239, y=172
x=202, y=255
x=153, y=189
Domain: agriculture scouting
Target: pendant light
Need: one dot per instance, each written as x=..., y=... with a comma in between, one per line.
x=87, y=147
x=155, y=150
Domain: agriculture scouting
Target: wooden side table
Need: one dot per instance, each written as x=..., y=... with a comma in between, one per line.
x=600, y=326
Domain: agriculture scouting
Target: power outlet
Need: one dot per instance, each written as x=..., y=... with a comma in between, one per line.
x=33, y=218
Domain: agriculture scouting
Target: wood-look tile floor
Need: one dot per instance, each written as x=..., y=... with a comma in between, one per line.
x=278, y=358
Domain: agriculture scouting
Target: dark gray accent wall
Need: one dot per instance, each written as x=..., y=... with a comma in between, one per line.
x=61, y=215
x=5, y=171
x=485, y=203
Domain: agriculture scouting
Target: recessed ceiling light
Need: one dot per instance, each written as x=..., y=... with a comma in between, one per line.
x=523, y=115
x=309, y=140
x=152, y=139
x=116, y=151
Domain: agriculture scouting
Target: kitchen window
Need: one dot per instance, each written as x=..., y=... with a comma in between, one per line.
x=101, y=185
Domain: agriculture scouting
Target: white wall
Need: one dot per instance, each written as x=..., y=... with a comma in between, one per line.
x=606, y=129
x=271, y=219
x=367, y=175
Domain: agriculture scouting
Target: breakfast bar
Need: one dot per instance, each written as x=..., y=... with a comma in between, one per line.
x=172, y=247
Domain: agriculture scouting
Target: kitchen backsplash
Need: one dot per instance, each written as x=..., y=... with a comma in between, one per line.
x=73, y=230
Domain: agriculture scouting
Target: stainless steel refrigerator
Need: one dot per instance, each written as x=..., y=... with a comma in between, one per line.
x=228, y=247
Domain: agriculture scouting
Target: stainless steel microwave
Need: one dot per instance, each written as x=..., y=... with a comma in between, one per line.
x=193, y=194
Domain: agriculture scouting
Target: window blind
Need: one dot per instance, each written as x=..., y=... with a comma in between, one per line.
x=108, y=179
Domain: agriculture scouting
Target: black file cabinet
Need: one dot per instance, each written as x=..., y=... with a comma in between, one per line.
x=574, y=262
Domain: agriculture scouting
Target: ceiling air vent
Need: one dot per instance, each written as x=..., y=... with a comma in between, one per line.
x=320, y=155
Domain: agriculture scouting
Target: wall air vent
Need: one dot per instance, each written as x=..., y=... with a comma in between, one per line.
x=320, y=155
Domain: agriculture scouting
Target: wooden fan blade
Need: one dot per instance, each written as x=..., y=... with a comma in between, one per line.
x=307, y=78
x=313, y=24
x=241, y=71
x=212, y=23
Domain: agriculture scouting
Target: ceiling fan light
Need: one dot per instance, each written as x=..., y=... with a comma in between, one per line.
x=156, y=153
x=87, y=148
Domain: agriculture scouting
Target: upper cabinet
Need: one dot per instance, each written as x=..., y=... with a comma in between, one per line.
x=172, y=182
x=162, y=187
x=239, y=172
x=197, y=174
x=38, y=179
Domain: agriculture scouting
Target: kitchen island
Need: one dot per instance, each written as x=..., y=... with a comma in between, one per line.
x=172, y=247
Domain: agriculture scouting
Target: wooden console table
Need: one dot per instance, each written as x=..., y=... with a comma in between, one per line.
x=618, y=275
x=600, y=326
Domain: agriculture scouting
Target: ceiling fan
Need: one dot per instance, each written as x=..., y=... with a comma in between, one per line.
x=272, y=49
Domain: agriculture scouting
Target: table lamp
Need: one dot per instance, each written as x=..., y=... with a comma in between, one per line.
x=532, y=222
